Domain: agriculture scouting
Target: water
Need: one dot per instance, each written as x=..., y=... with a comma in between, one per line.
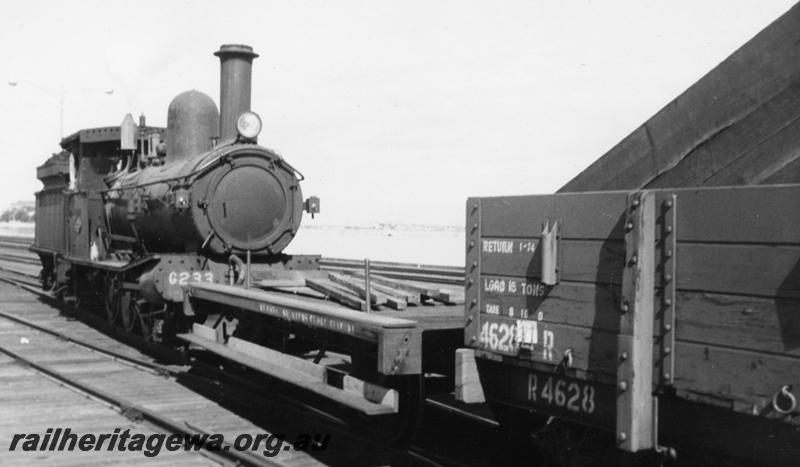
x=406, y=244
x=381, y=242
x=16, y=229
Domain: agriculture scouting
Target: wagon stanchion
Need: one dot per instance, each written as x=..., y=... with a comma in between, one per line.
x=367, y=298
x=248, y=279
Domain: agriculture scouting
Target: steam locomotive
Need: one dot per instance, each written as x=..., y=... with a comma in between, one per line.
x=134, y=213
x=179, y=234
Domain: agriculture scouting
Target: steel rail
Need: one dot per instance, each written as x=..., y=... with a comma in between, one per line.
x=115, y=356
x=411, y=272
x=432, y=459
x=19, y=259
x=426, y=269
x=14, y=245
x=20, y=273
x=16, y=239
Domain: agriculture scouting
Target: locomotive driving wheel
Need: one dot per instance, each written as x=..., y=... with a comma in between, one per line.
x=128, y=310
x=112, y=299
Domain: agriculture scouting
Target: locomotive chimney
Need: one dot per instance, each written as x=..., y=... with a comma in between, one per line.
x=236, y=62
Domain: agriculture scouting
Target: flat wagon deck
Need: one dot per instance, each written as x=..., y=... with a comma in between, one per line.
x=348, y=351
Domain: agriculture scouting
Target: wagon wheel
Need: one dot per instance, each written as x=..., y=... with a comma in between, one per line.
x=128, y=311
x=560, y=443
x=516, y=427
x=48, y=278
x=112, y=299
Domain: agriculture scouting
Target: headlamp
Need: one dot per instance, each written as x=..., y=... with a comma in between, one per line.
x=248, y=125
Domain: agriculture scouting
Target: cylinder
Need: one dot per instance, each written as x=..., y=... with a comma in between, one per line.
x=236, y=63
x=191, y=125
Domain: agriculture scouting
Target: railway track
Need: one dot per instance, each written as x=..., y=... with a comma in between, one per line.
x=414, y=272
x=94, y=371
x=24, y=241
x=246, y=385
x=23, y=259
x=453, y=275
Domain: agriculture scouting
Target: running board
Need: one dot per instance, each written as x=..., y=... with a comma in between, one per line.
x=362, y=396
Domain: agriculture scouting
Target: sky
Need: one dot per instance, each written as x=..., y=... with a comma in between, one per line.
x=394, y=111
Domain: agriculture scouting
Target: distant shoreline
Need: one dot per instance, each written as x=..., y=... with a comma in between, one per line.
x=406, y=243
x=17, y=229
x=375, y=226
x=387, y=226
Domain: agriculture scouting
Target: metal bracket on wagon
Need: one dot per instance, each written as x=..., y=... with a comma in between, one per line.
x=549, y=247
x=667, y=245
x=396, y=352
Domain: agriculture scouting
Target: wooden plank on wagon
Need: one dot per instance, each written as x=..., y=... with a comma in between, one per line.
x=398, y=284
x=409, y=297
x=450, y=296
x=741, y=112
x=337, y=293
x=376, y=297
x=278, y=283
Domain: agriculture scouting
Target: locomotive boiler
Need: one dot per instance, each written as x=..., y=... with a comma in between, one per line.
x=144, y=216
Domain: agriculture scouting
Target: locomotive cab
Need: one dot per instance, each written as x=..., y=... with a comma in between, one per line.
x=69, y=208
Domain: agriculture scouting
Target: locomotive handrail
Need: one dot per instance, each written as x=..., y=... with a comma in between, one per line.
x=298, y=174
x=193, y=173
x=217, y=158
x=165, y=180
